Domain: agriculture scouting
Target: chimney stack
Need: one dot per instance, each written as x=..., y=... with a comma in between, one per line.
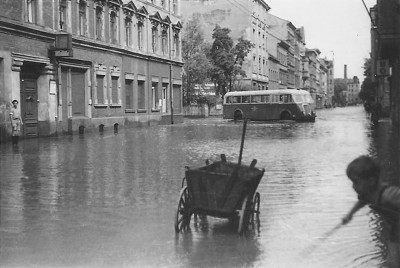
x=345, y=71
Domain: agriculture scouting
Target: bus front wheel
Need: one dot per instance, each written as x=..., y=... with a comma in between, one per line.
x=238, y=115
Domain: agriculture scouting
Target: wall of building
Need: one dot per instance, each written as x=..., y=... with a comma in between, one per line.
x=87, y=89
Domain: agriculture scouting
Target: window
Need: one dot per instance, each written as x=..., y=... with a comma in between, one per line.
x=245, y=99
x=265, y=98
x=128, y=94
x=114, y=27
x=176, y=45
x=141, y=95
x=140, y=35
x=31, y=7
x=154, y=94
x=99, y=23
x=128, y=35
x=175, y=6
x=164, y=44
x=236, y=99
x=154, y=33
x=100, y=88
x=63, y=15
x=82, y=18
x=163, y=3
x=255, y=99
x=114, y=89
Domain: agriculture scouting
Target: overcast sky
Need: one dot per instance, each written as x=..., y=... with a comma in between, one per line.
x=341, y=26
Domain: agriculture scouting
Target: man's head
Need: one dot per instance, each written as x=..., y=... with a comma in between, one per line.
x=364, y=173
x=14, y=102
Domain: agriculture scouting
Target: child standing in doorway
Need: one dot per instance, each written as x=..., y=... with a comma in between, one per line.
x=364, y=172
x=16, y=122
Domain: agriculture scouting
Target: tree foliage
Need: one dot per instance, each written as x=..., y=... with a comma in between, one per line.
x=340, y=87
x=197, y=66
x=368, y=87
x=227, y=59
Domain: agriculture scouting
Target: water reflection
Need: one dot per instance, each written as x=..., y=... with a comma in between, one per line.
x=109, y=199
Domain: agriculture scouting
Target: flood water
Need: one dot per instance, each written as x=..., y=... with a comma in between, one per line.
x=110, y=200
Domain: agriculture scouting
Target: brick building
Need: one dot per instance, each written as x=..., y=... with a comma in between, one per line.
x=123, y=68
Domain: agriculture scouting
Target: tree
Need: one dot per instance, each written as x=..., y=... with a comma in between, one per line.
x=338, y=96
x=197, y=66
x=368, y=87
x=227, y=59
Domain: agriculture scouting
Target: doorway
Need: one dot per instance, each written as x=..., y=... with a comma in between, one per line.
x=29, y=107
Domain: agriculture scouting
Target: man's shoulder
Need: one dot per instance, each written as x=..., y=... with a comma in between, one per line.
x=391, y=195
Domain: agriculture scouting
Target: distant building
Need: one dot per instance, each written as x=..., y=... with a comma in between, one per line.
x=116, y=63
x=247, y=20
x=286, y=47
x=353, y=91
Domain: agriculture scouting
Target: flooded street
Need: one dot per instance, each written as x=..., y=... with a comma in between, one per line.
x=110, y=200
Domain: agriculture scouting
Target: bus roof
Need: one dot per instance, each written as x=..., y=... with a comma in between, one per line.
x=268, y=92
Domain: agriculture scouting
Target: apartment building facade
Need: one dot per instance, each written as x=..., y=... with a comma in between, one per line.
x=89, y=64
x=245, y=19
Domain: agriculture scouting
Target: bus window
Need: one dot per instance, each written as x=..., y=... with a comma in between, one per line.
x=286, y=98
x=255, y=99
x=281, y=98
x=236, y=99
x=265, y=98
x=275, y=98
x=245, y=99
x=228, y=100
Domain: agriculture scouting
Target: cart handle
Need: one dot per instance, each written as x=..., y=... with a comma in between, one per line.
x=242, y=142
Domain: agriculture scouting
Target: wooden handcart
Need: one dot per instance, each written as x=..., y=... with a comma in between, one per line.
x=223, y=190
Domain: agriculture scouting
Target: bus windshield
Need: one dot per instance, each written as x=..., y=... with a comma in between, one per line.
x=301, y=98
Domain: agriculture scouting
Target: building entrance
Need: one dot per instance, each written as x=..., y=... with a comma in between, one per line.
x=29, y=107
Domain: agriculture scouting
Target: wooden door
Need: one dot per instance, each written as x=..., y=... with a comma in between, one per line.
x=29, y=107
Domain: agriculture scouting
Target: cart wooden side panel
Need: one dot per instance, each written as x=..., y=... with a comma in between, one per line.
x=219, y=188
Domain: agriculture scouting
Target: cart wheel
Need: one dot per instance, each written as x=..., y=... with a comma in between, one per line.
x=244, y=215
x=255, y=208
x=183, y=215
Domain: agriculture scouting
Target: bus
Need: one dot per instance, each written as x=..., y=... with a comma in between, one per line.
x=274, y=104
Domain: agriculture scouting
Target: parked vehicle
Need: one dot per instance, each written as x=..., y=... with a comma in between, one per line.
x=264, y=105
